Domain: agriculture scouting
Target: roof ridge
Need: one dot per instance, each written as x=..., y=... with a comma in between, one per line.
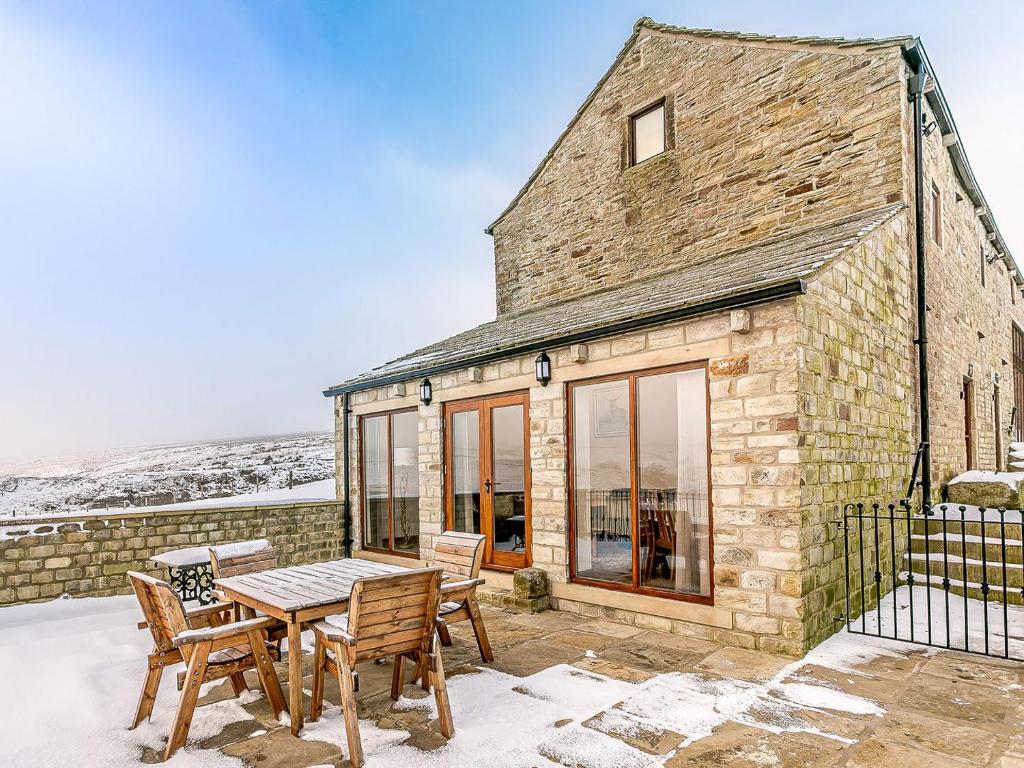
x=649, y=23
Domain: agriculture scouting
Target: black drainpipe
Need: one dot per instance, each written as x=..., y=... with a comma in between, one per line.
x=346, y=436
x=916, y=87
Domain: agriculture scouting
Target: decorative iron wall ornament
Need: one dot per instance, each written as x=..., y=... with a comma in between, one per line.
x=192, y=582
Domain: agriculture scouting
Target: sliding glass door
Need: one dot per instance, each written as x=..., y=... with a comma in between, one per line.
x=640, y=517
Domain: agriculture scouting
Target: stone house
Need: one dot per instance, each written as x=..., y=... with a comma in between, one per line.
x=704, y=343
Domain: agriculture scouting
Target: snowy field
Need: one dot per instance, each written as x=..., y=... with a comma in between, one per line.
x=164, y=474
x=77, y=666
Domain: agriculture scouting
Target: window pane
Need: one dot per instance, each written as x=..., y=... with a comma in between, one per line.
x=601, y=483
x=672, y=445
x=649, y=134
x=466, y=471
x=375, y=481
x=509, y=478
x=405, y=480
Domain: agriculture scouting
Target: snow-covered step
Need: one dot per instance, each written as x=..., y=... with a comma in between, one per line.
x=958, y=587
x=994, y=549
x=956, y=568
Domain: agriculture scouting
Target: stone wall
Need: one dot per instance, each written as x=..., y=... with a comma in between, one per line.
x=89, y=555
x=764, y=139
x=968, y=323
x=858, y=410
x=754, y=410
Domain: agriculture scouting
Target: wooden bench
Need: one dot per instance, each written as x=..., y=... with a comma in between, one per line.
x=390, y=615
x=211, y=652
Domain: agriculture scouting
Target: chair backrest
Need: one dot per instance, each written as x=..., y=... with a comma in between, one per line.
x=162, y=607
x=242, y=557
x=395, y=613
x=459, y=554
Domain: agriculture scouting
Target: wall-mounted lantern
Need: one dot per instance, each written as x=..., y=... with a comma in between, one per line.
x=970, y=370
x=426, y=392
x=543, y=369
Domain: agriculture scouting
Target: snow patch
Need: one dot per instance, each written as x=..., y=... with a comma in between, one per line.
x=1010, y=479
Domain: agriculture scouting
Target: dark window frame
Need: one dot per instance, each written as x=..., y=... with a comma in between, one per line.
x=636, y=587
x=984, y=263
x=659, y=104
x=390, y=549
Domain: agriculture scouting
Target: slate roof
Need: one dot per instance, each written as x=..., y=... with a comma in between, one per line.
x=736, y=278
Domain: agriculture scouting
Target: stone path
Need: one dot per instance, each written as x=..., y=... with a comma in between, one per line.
x=937, y=708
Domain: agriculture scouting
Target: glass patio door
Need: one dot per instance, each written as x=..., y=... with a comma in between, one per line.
x=487, y=488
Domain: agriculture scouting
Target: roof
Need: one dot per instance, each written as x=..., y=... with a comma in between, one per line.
x=757, y=273
x=913, y=51
x=647, y=23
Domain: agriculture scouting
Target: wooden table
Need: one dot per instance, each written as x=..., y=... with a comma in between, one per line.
x=298, y=595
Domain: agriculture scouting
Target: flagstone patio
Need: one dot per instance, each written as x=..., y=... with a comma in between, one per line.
x=856, y=702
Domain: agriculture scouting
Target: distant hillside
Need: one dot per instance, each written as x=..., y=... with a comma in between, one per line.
x=164, y=474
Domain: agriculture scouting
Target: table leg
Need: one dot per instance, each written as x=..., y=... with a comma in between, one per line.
x=295, y=676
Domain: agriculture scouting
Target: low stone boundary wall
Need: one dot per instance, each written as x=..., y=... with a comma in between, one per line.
x=89, y=555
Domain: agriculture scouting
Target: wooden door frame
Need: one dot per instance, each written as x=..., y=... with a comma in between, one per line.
x=969, y=423
x=483, y=406
x=360, y=455
x=635, y=587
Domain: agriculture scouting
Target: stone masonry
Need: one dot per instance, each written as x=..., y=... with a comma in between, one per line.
x=763, y=140
x=89, y=555
x=813, y=398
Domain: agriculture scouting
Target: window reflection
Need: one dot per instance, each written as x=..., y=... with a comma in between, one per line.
x=601, y=484
x=405, y=481
x=466, y=471
x=673, y=469
x=664, y=528
x=375, y=481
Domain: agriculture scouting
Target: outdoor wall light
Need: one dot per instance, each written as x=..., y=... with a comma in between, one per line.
x=426, y=392
x=543, y=369
x=970, y=370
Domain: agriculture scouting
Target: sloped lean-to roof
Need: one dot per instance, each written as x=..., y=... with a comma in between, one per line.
x=743, y=277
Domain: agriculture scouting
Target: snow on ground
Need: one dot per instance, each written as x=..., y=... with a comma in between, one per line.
x=1002, y=628
x=163, y=474
x=970, y=513
x=77, y=666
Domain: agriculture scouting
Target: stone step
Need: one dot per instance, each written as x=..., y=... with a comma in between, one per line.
x=995, y=549
x=956, y=567
x=972, y=589
x=506, y=598
x=953, y=526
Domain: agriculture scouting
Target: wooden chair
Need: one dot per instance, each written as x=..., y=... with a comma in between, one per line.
x=211, y=653
x=460, y=555
x=390, y=615
x=240, y=558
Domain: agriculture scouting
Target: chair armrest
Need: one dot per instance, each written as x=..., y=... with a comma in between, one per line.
x=223, y=631
x=205, y=610
x=333, y=634
x=458, y=586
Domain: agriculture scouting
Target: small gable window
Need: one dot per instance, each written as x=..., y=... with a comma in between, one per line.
x=647, y=133
x=983, y=261
x=936, y=215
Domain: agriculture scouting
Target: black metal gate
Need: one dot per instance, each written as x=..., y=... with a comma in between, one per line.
x=952, y=577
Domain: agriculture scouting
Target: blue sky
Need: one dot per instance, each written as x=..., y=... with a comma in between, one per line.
x=209, y=211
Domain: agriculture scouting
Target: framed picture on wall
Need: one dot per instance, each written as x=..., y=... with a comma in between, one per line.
x=611, y=411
